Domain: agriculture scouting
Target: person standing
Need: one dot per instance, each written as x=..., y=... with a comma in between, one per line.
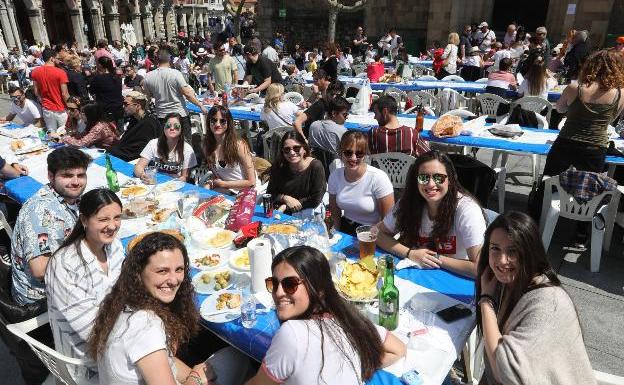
x=395, y=43
x=223, y=69
x=170, y=92
x=50, y=87
x=360, y=43
x=464, y=42
x=450, y=56
x=540, y=33
x=574, y=59
x=260, y=70
x=270, y=53
x=510, y=36
x=485, y=37
x=106, y=88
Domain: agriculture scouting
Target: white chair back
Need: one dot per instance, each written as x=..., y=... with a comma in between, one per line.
x=453, y=78
x=199, y=175
x=462, y=113
x=359, y=68
x=58, y=364
x=294, y=97
x=451, y=100
x=608, y=379
x=535, y=104
x=336, y=163
x=268, y=138
x=420, y=70
x=489, y=104
x=395, y=164
x=428, y=78
x=541, y=121
x=424, y=98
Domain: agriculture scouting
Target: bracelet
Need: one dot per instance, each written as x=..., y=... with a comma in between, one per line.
x=193, y=375
x=488, y=298
x=408, y=252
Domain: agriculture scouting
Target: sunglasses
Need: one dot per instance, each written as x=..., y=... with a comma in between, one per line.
x=438, y=179
x=348, y=154
x=295, y=149
x=289, y=284
x=175, y=126
x=15, y=97
x=220, y=121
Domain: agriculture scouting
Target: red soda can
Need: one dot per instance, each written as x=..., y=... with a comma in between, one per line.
x=267, y=205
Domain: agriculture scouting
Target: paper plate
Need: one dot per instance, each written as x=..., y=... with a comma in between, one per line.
x=210, y=306
x=236, y=260
x=170, y=186
x=211, y=259
x=204, y=281
x=213, y=238
x=137, y=190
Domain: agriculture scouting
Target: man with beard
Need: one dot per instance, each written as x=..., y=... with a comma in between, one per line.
x=141, y=128
x=44, y=221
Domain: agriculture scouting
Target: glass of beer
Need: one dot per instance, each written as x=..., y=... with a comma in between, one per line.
x=367, y=236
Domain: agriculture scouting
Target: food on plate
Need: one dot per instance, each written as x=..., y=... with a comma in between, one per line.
x=17, y=144
x=241, y=260
x=210, y=260
x=229, y=300
x=358, y=280
x=220, y=239
x=139, y=207
x=281, y=228
x=132, y=191
x=390, y=78
x=446, y=126
x=162, y=215
x=138, y=238
x=221, y=280
x=170, y=186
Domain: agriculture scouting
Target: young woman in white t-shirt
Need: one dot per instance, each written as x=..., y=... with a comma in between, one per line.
x=169, y=153
x=323, y=338
x=359, y=194
x=278, y=112
x=149, y=313
x=439, y=223
x=226, y=154
x=537, y=81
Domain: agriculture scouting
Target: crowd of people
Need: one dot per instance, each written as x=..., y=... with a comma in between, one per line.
x=131, y=313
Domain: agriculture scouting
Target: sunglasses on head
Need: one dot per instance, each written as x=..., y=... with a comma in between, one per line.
x=175, y=126
x=348, y=154
x=295, y=149
x=437, y=178
x=215, y=121
x=289, y=284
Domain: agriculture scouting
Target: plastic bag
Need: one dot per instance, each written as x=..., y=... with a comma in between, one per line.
x=362, y=100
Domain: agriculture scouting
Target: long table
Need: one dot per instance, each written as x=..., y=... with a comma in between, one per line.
x=435, y=358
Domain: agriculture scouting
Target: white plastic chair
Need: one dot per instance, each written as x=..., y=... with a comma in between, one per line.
x=419, y=70
x=453, y=78
x=451, y=100
x=424, y=98
x=267, y=138
x=608, y=379
x=395, y=164
x=602, y=216
x=336, y=163
x=58, y=364
x=294, y=97
x=462, y=113
x=428, y=78
x=359, y=68
x=535, y=104
x=482, y=80
x=489, y=105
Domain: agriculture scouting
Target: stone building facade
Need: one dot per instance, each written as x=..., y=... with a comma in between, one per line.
x=86, y=21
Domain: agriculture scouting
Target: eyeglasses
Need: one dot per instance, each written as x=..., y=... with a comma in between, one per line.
x=438, y=179
x=15, y=97
x=348, y=154
x=289, y=284
x=295, y=149
x=175, y=126
x=220, y=121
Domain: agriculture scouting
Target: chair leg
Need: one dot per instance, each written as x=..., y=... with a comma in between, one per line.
x=597, y=238
x=495, y=157
x=535, y=165
x=550, y=223
x=504, y=159
x=501, y=191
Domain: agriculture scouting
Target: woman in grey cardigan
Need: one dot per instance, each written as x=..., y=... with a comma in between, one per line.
x=529, y=324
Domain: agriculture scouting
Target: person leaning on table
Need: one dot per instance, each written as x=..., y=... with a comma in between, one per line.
x=440, y=225
x=23, y=108
x=529, y=325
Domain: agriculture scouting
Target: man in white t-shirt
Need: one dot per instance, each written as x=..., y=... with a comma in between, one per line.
x=485, y=37
x=270, y=53
x=500, y=54
x=23, y=108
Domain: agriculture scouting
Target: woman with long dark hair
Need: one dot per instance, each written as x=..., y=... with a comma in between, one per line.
x=340, y=345
x=440, y=225
x=147, y=316
x=226, y=154
x=105, y=86
x=81, y=272
x=536, y=82
x=529, y=324
x=297, y=180
x=92, y=129
x=169, y=152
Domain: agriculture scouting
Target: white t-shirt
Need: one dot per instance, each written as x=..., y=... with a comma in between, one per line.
x=134, y=336
x=472, y=60
x=294, y=357
x=485, y=39
x=358, y=199
x=498, y=56
x=524, y=88
x=182, y=64
x=173, y=165
x=467, y=230
x=287, y=110
x=28, y=113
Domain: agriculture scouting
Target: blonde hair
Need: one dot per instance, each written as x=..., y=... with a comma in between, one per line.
x=273, y=96
x=453, y=38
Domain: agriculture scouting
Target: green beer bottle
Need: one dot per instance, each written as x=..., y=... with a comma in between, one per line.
x=389, y=298
x=111, y=175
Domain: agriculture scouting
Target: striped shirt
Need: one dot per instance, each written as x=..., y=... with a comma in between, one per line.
x=403, y=139
x=75, y=289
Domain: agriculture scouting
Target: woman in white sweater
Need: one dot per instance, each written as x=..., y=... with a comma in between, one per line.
x=450, y=56
x=529, y=324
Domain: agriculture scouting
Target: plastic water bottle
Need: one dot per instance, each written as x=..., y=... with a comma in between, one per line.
x=248, y=309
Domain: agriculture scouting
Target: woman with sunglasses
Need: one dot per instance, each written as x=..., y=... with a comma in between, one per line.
x=97, y=131
x=148, y=316
x=228, y=156
x=529, y=325
x=81, y=272
x=340, y=345
x=297, y=180
x=74, y=124
x=359, y=194
x=169, y=152
x=440, y=225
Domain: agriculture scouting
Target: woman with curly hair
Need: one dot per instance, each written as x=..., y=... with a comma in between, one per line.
x=440, y=225
x=322, y=339
x=147, y=316
x=529, y=325
x=226, y=154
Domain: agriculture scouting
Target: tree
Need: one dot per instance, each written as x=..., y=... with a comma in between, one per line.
x=235, y=11
x=335, y=7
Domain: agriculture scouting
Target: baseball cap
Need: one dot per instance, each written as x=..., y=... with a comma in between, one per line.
x=483, y=24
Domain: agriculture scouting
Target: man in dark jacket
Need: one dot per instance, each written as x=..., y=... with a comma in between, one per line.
x=141, y=128
x=574, y=59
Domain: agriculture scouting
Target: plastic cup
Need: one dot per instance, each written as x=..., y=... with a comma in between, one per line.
x=150, y=174
x=248, y=309
x=367, y=237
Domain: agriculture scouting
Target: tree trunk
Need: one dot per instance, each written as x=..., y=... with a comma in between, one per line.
x=333, y=17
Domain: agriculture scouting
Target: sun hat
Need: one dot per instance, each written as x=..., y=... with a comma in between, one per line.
x=483, y=24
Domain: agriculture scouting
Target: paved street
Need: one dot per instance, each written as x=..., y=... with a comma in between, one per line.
x=599, y=297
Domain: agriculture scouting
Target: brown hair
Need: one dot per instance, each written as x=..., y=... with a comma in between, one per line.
x=230, y=145
x=180, y=318
x=605, y=67
x=162, y=148
x=357, y=138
